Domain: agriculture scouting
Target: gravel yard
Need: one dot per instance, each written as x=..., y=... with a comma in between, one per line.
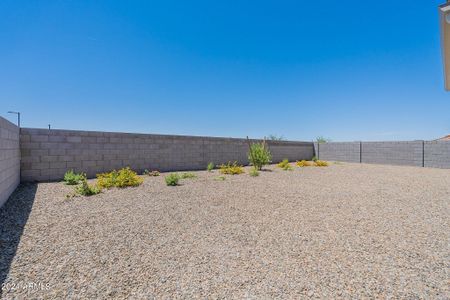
x=348, y=230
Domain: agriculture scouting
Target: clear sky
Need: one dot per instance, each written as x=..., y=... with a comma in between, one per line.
x=347, y=70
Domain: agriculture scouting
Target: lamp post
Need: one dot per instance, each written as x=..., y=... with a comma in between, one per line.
x=18, y=116
x=444, y=15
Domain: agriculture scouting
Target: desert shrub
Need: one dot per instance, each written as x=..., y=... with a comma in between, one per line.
x=123, y=178
x=85, y=189
x=231, y=168
x=259, y=155
x=284, y=164
x=172, y=179
x=151, y=173
x=188, y=175
x=107, y=180
x=210, y=167
x=321, y=163
x=254, y=172
x=314, y=158
x=72, y=178
x=304, y=163
x=128, y=177
x=288, y=167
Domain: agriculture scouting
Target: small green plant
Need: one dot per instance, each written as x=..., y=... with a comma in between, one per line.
x=85, y=189
x=188, y=175
x=284, y=164
x=220, y=178
x=231, y=168
x=258, y=154
x=123, y=178
x=172, y=179
x=72, y=178
x=210, y=167
x=288, y=167
x=304, y=163
x=321, y=163
x=254, y=172
x=151, y=173
x=314, y=159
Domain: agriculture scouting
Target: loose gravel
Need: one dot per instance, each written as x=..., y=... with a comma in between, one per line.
x=344, y=231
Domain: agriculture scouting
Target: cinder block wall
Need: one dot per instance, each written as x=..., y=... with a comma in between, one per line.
x=433, y=154
x=48, y=154
x=9, y=159
x=342, y=151
x=437, y=154
x=393, y=153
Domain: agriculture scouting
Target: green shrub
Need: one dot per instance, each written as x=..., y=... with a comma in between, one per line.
x=259, y=155
x=288, y=167
x=321, y=163
x=282, y=164
x=314, y=159
x=231, y=168
x=85, y=189
x=220, y=178
x=188, y=175
x=71, y=178
x=172, y=179
x=210, y=167
x=151, y=173
x=254, y=172
x=128, y=177
x=123, y=178
x=285, y=165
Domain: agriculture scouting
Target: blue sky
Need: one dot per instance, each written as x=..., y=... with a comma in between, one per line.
x=347, y=70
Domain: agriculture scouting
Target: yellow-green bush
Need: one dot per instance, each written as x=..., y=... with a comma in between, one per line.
x=282, y=164
x=285, y=165
x=172, y=179
x=86, y=189
x=321, y=163
x=259, y=155
x=254, y=172
x=72, y=178
x=188, y=175
x=231, y=168
x=304, y=163
x=123, y=178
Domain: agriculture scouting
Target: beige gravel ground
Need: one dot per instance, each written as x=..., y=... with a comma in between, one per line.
x=346, y=231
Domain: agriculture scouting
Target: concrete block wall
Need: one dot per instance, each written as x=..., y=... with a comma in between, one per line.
x=393, y=153
x=48, y=154
x=437, y=154
x=9, y=159
x=342, y=151
x=433, y=154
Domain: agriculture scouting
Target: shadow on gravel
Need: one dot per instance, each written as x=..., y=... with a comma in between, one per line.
x=13, y=217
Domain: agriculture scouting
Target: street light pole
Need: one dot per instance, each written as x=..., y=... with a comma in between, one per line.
x=444, y=15
x=18, y=116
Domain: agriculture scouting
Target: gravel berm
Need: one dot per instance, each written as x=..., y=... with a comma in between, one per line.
x=344, y=231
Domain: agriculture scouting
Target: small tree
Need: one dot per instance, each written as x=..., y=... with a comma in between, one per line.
x=322, y=139
x=274, y=137
x=258, y=154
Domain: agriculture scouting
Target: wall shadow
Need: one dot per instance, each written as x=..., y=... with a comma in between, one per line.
x=13, y=217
